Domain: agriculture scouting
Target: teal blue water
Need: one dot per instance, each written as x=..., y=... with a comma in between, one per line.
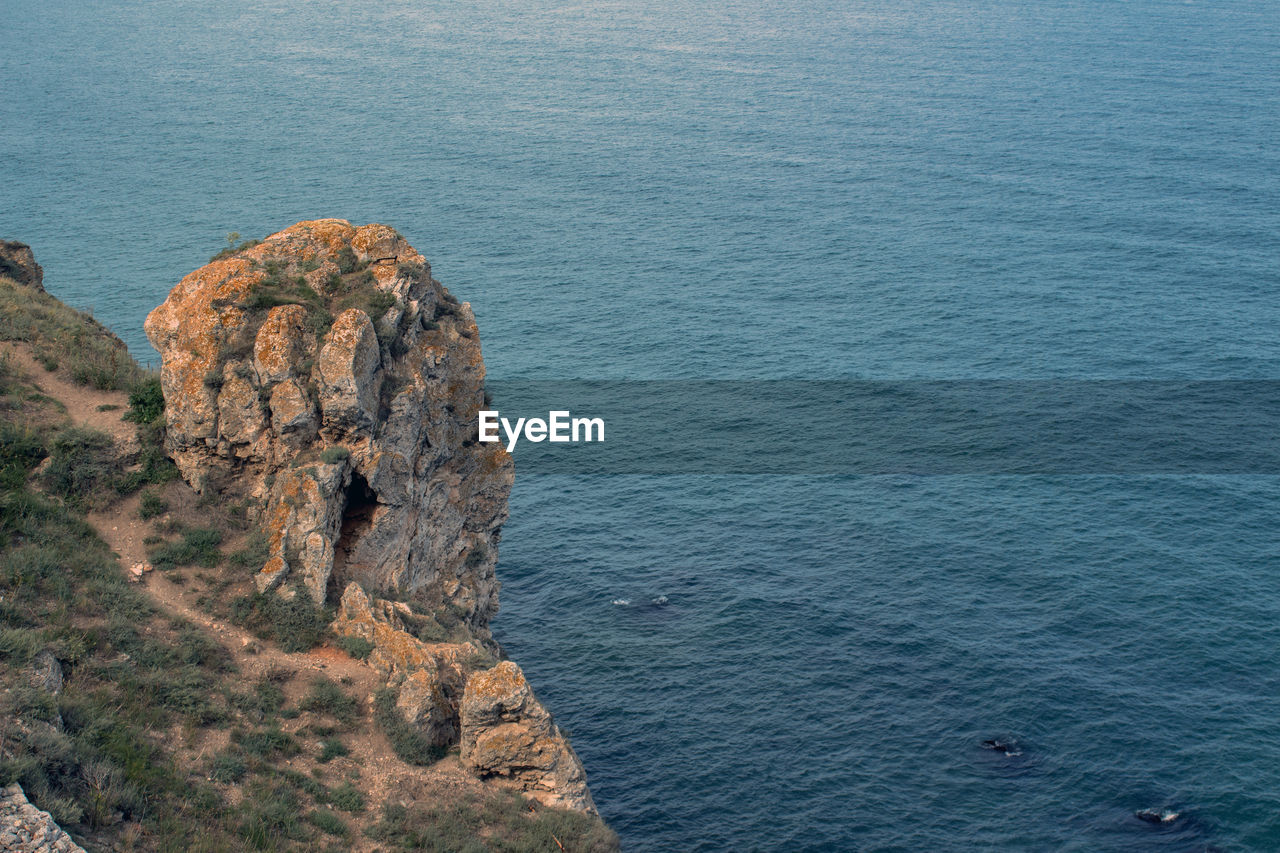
x=810, y=189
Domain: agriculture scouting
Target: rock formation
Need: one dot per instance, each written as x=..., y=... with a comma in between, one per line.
x=324, y=374
x=18, y=262
x=507, y=733
x=26, y=829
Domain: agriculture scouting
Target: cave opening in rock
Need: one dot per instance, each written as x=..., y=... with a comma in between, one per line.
x=357, y=517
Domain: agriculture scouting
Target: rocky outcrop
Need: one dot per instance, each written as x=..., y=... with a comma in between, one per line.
x=26, y=829
x=430, y=677
x=324, y=373
x=504, y=731
x=18, y=262
x=508, y=734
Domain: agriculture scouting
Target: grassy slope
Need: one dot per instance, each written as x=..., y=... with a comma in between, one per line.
x=111, y=754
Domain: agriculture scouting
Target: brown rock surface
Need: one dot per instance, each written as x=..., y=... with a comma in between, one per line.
x=325, y=374
x=430, y=676
x=508, y=734
x=18, y=262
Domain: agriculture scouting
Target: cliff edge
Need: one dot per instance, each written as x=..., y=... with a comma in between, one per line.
x=326, y=379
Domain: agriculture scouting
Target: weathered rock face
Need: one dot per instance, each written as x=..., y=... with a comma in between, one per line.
x=430, y=677
x=504, y=731
x=324, y=373
x=18, y=262
x=26, y=829
x=508, y=734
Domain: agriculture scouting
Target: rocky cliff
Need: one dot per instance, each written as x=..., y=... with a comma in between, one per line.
x=18, y=263
x=323, y=374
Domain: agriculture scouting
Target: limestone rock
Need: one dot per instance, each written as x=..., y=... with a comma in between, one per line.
x=430, y=677
x=26, y=829
x=18, y=262
x=325, y=374
x=349, y=361
x=327, y=377
x=508, y=734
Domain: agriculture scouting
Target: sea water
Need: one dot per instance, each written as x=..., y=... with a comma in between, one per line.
x=810, y=189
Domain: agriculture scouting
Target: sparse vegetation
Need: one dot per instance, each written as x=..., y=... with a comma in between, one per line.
x=507, y=823
x=267, y=743
x=409, y=743
x=295, y=623
x=150, y=504
x=331, y=748
x=335, y=454
x=197, y=547
x=64, y=338
x=347, y=797
x=327, y=698
x=233, y=247
x=253, y=555
x=358, y=647
x=328, y=822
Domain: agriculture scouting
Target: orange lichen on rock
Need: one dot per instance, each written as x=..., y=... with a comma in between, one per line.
x=507, y=734
x=325, y=375
x=271, y=362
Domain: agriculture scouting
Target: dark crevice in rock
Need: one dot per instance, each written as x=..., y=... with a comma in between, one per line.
x=359, y=503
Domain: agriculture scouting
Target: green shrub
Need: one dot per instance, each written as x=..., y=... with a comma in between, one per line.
x=327, y=698
x=151, y=505
x=331, y=748
x=296, y=624
x=328, y=822
x=266, y=698
x=409, y=270
x=408, y=741
x=198, y=547
x=271, y=743
x=233, y=248
x=334, y=455
x=271, y=817
x=83, y=468
x=228, y=767
x=146, y=402
x=347, y=261
x=20, y=450
x=347, y=797
x=358, y=647
x=253, y=555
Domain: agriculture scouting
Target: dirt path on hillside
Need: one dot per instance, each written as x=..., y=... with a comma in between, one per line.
x=100, y=410
x=372, y=762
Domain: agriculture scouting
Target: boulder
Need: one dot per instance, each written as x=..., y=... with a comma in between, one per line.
x=508, y=734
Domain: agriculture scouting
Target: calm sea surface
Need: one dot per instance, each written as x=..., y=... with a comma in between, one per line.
x=805, y=189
